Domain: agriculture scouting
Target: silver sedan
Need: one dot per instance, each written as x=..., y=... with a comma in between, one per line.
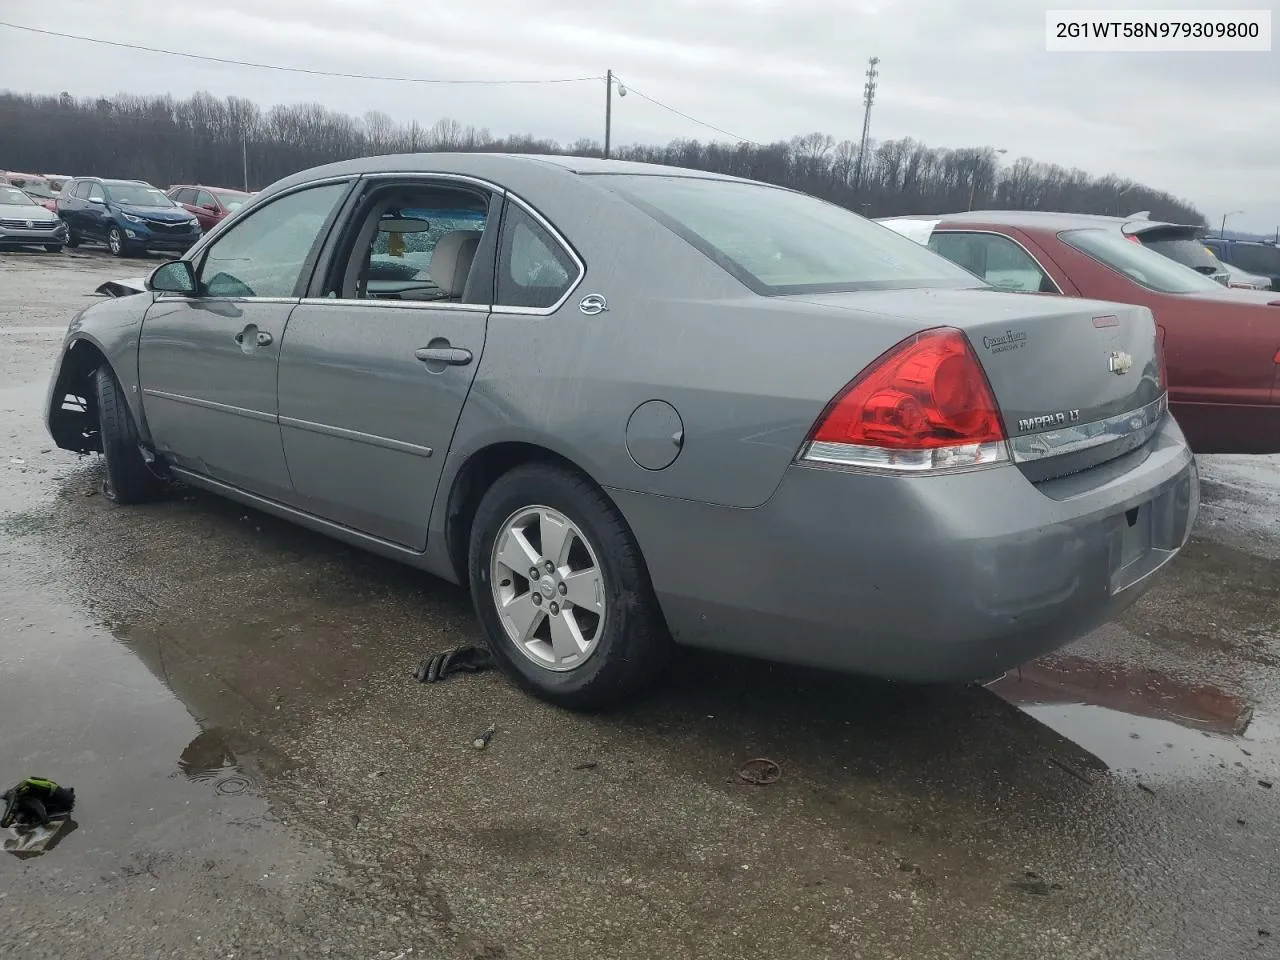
x=637, y=407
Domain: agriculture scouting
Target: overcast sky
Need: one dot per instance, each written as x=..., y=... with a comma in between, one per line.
x=1203, y=126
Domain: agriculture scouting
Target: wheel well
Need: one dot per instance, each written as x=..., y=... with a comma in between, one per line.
x=474, y=480
x=73, y=414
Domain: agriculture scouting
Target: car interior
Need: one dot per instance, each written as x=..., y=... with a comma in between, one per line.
x=415, y=245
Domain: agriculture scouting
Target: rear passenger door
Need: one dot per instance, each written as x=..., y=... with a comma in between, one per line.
x=377, y=364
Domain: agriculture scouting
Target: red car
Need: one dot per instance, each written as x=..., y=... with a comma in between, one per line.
x=209, y=204
x=1222, y=346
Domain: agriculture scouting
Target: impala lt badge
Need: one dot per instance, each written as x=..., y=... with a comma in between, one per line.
x=1119, y=362
x=1062, y=418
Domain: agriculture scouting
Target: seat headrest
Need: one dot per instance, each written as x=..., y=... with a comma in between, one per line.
x=451, y=261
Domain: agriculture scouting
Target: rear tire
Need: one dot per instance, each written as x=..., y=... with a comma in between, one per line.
x=598, y=595
x=128, y=477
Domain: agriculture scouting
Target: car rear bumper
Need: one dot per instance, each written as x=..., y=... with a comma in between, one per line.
x=941, y=578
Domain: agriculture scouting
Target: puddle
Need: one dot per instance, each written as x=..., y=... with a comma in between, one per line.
x=1138, y=720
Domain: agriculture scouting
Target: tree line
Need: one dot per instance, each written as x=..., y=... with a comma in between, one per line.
x=226, y=142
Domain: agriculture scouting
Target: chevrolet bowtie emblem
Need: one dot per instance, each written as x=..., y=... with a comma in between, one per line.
x=1119, y=362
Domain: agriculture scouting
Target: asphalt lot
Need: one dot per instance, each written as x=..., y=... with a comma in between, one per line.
x=258, y=775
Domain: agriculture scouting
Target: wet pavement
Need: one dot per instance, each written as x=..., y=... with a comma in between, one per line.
x=258, y=775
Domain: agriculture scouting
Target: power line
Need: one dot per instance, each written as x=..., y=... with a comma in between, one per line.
x=272, y=66
x=680, y=113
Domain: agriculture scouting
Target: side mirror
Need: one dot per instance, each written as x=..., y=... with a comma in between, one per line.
x=176, y=276
x=97, y=200
x=210, y=207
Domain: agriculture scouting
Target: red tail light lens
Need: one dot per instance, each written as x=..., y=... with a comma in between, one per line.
x=924, y=405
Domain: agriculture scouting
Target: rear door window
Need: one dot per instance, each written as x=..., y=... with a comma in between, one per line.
x=996, y=259
x=204, y=198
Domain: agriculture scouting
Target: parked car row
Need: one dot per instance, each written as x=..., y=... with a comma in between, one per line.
x=1222, y=346
x=128, y=216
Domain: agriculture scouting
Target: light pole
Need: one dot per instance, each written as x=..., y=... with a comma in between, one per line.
x=1222, y=231
x=609, y=80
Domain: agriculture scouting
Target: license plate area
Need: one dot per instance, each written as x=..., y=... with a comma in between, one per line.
x=1131, y=545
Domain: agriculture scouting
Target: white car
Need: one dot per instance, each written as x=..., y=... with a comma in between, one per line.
x=23, y=222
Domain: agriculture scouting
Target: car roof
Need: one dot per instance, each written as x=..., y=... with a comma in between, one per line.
x=1048, y=220
x=512, y=170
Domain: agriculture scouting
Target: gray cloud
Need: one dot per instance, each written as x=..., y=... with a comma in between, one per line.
x=1200, y=125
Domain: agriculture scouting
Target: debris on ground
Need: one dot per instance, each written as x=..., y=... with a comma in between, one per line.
x=482, y=741
x=463, y=659
x=586, y=765
x=1265, y=783
x=1146, y=789
x=760, y=771
x=34, y=812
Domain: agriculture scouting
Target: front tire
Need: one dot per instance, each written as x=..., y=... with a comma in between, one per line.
x=72, y=240
x=53, y=247
x=128, y=477
x=586, y=633
x=115, y=242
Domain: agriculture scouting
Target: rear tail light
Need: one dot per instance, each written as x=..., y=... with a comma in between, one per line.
x=924, y=405
x=1132, y=239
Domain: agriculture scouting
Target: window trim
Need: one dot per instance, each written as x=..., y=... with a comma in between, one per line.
x=196, y=255
x=1014, y=240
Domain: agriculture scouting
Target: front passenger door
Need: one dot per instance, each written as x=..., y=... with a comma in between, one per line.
x=207, y=363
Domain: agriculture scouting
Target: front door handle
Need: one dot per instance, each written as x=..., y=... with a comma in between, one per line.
x=454, y=356
x=261, y=338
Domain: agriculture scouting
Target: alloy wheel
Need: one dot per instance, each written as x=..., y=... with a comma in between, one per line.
x=548, y=588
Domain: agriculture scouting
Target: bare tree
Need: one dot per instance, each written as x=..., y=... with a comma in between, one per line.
x=204, y=139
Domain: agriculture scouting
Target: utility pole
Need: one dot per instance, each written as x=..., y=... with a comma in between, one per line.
x=244, y=155
x=868, y=98
x=608, y=110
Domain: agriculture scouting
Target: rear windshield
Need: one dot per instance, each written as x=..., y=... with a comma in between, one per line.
x=232, y=201
x=1139, y=264
x=1186, y=251
x=1256, y=259
x=778, y=242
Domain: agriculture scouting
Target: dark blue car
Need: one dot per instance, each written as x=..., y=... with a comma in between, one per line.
x=1249, y=255
x=129, y=216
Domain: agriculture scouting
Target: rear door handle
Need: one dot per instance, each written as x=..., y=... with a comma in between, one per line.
x=454, y=356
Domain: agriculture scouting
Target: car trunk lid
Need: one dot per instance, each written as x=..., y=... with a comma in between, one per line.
x=1078, y=382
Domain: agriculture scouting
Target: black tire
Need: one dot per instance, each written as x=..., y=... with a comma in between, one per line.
x=128, y=477
x=633, y=643
x=72, y=240
x=53, y=247
x=116, y=242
